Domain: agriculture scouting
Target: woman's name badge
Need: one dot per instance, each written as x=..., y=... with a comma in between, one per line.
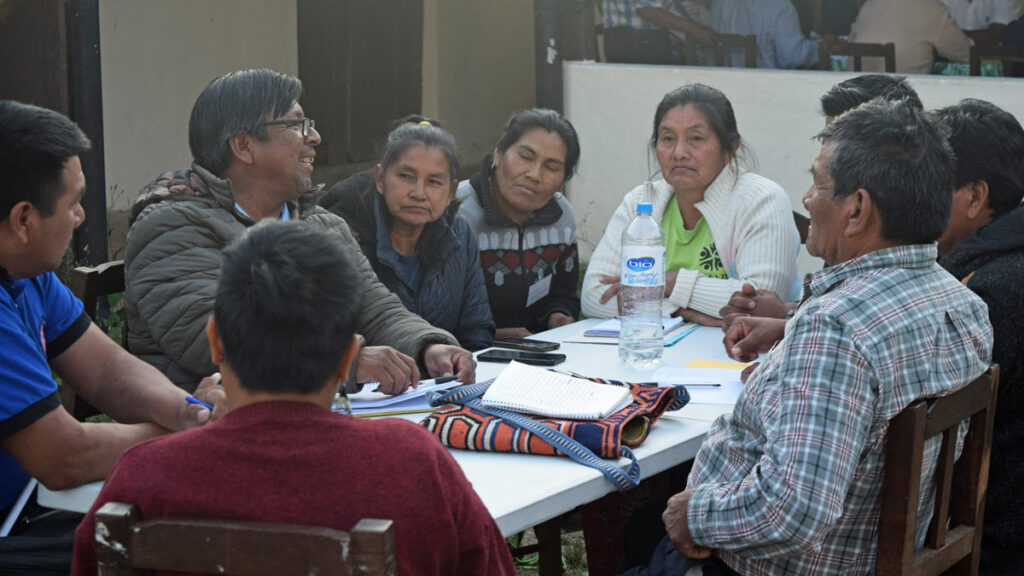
x=538, y=290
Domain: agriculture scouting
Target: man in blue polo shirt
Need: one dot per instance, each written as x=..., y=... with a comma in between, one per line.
x=43, y=327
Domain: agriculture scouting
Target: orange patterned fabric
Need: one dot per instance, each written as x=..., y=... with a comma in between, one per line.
x=466, y=428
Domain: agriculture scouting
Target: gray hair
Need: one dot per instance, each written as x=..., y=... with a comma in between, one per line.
x=237, y=102
x=901, y=157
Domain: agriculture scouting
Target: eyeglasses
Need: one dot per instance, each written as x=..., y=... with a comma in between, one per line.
x=307, y=124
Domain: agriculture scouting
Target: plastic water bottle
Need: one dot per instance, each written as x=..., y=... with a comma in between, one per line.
x=641, y=338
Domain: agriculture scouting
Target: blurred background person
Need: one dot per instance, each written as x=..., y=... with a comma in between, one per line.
x=780, y=39
x=653, y=31
x=920, y=29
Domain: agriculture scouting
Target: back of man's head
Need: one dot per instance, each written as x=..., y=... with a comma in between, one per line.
x=855, y=91
x=237, y=102
x=901, y=157
x=34, y=145
x=286, y=307
x=989, y=145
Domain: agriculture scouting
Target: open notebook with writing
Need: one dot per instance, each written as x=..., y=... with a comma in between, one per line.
x=531, y=390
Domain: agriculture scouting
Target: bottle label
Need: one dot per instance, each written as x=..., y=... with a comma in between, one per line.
x=643, y=265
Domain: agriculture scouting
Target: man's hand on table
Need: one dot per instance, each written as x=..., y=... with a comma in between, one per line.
x=395, y=371
x=749, y=337
x=448, y=360
x=753, y=302
x=678, y=529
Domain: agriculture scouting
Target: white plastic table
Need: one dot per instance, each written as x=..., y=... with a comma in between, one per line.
x=522, y=491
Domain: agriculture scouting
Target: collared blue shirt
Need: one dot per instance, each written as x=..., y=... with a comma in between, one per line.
x=780, y=40
x=39, y=319
x=790, y=482
x=285, y=214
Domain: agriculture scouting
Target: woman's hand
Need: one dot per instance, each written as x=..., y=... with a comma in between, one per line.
x=518, y=332
x=612, y=291
x=557, y=319
x=701, y=318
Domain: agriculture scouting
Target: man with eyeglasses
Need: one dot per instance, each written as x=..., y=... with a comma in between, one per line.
x=253, y=151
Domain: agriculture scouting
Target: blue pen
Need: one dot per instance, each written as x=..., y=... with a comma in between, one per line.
x=194, y=400
x=680, y=335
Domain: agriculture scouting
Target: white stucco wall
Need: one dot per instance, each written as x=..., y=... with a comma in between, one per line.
x=157, y=56
x=777, y=113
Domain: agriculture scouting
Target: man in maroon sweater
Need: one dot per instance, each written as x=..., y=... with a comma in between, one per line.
x=283, y=334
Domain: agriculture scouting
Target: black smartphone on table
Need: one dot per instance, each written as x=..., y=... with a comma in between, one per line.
x=534, y=358
x=528, y=344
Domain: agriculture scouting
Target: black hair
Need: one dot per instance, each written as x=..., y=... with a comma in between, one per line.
x=237, y=102
x=713, y=104
x=989, y=145
x=901, y=157
x=414, y=119
x=35, y=144
x=421, y=133
x=523, y=121
x=287, y=303
x=855, y=91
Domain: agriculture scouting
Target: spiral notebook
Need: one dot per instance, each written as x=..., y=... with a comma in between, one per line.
x=532, y=390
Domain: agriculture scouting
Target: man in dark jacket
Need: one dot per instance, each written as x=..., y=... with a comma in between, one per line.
x=253, y=150
x=984, y=247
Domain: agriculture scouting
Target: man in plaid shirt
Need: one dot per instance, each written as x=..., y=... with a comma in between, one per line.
x=790, y=482
x=650, y=31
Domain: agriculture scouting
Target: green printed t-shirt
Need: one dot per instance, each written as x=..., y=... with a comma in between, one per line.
x=690, y=249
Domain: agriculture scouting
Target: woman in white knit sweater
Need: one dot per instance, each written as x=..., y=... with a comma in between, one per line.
x=723, y=226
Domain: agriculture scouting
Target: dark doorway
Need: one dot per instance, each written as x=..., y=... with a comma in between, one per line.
x=361, y=67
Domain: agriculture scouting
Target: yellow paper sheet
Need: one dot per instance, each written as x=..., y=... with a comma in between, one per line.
x=726, y=364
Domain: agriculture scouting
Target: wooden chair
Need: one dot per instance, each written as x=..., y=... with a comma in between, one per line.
x=125, y=545
x=1007, y=54
x=728, y=42
x=89, y=285
x=859, y=50
x=953, y=543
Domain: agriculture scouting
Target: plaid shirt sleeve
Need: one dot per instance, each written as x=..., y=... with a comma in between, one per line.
x=616, y=13
x=815, y=409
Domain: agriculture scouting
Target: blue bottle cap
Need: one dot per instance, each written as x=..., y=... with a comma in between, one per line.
x=644, y=208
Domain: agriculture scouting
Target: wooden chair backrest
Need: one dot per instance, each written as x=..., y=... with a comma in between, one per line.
x=89, y=285
x=1007, y=54
x=859, y=50
x=126, y=546
x=726, y=44
x=953, y=542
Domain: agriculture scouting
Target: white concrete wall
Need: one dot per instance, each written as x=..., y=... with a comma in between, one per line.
x=156, y=58
x=777, y=112
x=477, y=68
